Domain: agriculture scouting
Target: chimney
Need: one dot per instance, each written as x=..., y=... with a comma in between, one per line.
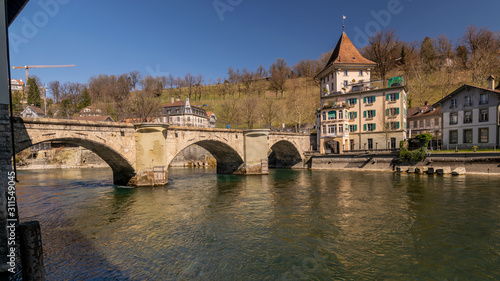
x=172, y=99
x=426, y=103
x=491, y=79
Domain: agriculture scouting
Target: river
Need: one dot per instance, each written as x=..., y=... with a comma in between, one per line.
x=288, y=225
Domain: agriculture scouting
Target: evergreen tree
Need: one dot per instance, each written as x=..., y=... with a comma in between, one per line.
x=83, y=99
x=33, y=92
x=428, y=52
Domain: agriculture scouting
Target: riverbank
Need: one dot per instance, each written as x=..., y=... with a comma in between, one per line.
x=445, y=163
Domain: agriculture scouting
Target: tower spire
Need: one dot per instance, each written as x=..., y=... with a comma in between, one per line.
x=343, y=26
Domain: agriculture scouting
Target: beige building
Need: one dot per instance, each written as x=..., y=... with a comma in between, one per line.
x=354, y=113
x=425, y=120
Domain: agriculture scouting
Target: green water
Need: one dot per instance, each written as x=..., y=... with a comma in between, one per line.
x=289, y=225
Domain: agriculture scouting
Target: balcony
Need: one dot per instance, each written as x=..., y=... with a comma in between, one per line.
x=336, y=135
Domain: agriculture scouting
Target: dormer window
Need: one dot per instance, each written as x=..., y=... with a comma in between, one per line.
x=345, y=72
x=453, y=103
x=361, y=73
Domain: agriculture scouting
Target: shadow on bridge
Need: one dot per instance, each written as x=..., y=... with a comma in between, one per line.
x=283, y=154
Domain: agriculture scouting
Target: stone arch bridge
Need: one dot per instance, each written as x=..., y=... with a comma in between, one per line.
x=139, y=154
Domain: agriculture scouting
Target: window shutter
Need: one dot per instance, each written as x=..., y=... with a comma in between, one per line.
x=364, y=127
x=397, y=125
x=387, y=112
x=374, y=126
x=364, y=100
x=356, y=114
x=364, y=113
x=397, y=110
x=397, y=96
x=374, y=98
x=332, y=114
x=404, y=125
x=355, y=128
x=374, y=113
x=355, y=100
x=388, y=125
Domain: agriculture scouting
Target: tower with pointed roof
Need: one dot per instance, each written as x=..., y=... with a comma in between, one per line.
x=356, y=113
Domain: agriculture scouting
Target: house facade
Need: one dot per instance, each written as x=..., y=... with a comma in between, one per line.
x=17, y=85
x=179, y=113
x=425, y=120
x=471, y=117
x=33, y=112
x=355, y=114
x=90, y=111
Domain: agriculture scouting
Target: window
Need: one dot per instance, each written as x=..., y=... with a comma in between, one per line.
x=331, y=86
x=393, y=125
x=353, y=115
x=483, y=135
x=393, y=143
x=323, y=115
x=369, y=100
x=189, y=118
x=392, y=97
x=341, y=129
x=415, y=124
x=353, y=128
x=436, y=122
x=345, y=83
x=468, y=136
x=361, y=73
x=332, y=129
x=332, y=115
x=370, y=127
x=483, y=115
x=392, y=111
x=453, y=137
x=421, y=124
x=453, y=118
x=467, y=116
x=427, y=123
x=370, y=144
x=369, y=114
x=345, y=72
x=352, y=101
x=483, y=99
x=468, y=101
x=453, y=103
x=178, y=119
x=324, y=130
x=341, y=115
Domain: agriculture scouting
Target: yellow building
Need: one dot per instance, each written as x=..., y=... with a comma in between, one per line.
x=355, y=113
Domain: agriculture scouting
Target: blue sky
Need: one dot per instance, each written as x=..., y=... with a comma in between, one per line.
x=176, y=37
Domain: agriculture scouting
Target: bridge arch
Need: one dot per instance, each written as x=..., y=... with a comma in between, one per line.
x=228, y=159
x=123, y=171
x=284, y=154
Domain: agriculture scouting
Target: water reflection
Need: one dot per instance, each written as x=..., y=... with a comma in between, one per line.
x=292, y=224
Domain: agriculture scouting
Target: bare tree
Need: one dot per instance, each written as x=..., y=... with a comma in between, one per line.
x=135, y=77
x=261, y=72
x=190, y=81
x=279, y=71
x=55, y=88
x=384, y=49
x=482, y=46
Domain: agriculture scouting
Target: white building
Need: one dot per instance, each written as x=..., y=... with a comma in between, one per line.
x=33, y=112
x=471, y=117
x=179, y=113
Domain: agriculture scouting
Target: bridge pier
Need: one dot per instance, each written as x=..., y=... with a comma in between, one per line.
x=255, y=152
x=151, y=167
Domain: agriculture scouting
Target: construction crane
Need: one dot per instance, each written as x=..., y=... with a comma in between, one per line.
x=27, y=67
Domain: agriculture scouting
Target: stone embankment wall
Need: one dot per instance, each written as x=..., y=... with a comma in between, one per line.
x=465, y=163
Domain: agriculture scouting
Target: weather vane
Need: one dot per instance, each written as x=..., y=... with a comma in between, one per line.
x=343, y=26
